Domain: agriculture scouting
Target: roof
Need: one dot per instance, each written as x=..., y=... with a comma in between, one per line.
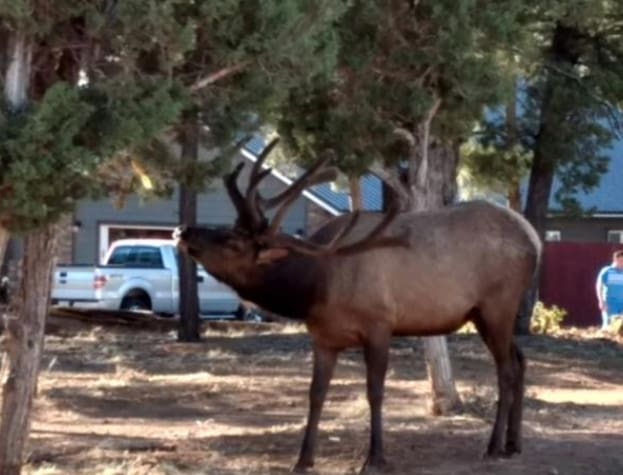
x=327, y=206
x=325, y=195
x=606, y=198
x=371, y=191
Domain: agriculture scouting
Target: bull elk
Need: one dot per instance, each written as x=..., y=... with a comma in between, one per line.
x=365, y=277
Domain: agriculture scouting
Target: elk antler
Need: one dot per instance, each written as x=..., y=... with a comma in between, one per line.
x=256, y=177
x=314, y=175
x=249, y=213
x=245, y=219
x=251, y=206
x=371, y=240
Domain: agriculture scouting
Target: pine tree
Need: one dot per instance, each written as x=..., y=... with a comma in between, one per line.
x=569, y=89
x=72, y=101
x=412, y=80
x=102, y=81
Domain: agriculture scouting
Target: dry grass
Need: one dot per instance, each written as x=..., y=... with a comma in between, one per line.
x=133, y=402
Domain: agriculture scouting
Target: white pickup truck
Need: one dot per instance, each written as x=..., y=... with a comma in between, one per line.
x=139, y=274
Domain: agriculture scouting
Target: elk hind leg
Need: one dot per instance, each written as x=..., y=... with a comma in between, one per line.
x=513, y=434
x=497, y=335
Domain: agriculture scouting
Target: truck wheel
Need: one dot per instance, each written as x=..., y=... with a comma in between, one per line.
x=134, y=304
x=248, y=314
x=241, y=312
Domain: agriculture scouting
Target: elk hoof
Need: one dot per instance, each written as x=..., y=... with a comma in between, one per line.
x=303, y=467
x=511, y=449
x=494, y=454
x=373, y=466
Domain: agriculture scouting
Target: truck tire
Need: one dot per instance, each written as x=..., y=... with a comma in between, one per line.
x=134, y=304
x=247, y=314
x=241, y=312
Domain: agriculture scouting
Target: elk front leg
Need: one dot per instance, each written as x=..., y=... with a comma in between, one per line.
x=324, y=364
x=376, y=356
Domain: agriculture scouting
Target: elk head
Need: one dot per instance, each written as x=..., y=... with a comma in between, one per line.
x=232, y=253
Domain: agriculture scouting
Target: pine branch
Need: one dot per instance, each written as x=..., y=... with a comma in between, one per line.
x=219, y=75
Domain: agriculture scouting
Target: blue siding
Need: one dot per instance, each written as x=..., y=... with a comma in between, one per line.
x=608, y=196
x=371, y=186
x=371, y=190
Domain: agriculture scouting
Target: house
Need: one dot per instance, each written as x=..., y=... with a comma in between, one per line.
x=604, y=220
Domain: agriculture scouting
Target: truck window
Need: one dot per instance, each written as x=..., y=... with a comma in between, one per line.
x=136, y=256
x=119, y=256
x=148, y=257
x=177, y=260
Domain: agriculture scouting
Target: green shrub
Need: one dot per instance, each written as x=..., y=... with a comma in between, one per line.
x=546, y=320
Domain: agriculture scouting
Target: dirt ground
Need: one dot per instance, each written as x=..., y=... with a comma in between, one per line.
x=124, y=401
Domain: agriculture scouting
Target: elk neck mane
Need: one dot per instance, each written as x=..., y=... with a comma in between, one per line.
x=288, y=287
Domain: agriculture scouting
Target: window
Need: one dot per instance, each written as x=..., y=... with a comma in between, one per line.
x=615, y=236
x=136, y=256
x=148, y=257
x=120, y=256
x=109, y=233
x=552, y=235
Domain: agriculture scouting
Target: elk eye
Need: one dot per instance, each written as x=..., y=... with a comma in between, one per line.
x=236, y=246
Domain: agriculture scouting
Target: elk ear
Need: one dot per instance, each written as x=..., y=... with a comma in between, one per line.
x=268, y=256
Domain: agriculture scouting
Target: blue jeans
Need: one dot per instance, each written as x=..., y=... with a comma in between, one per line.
x=615, y=307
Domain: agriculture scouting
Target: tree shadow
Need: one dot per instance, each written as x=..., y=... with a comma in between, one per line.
x=438, y=451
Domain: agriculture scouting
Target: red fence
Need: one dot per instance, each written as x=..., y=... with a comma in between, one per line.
x=568, y=278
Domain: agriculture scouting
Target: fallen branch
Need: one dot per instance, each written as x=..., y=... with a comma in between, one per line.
x=60, y=317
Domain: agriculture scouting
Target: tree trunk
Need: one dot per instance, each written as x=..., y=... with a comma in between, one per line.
x=539, y=189
x=23, y=345
x=537, y=202
x=512, y=141
x=23, y=336
x=4, y=242
x=17, y=77
x=18, y=58
x=445, y=398
x=356, y=194
x=189, y=297
x=563, y=53
x=537, y=199
x=514, y=197
x=440, y=190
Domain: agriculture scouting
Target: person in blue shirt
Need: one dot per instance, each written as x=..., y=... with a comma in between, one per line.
x=609, y=288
